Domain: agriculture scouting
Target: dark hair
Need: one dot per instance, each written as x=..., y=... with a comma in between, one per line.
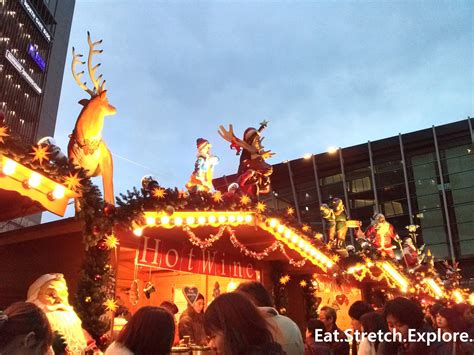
x=314, y=324
x=331, y=312
x=256, y=292
x=359, y=308
x=406, y=311
x=372, y=322
x=170, y=307
x=240, y=321
x=200, y=297
x=149, y=331
x=434, y=309
x=23, y=318
x=456, y=322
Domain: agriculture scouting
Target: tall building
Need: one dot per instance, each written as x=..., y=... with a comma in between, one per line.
x=34, y=38
x=424, y=177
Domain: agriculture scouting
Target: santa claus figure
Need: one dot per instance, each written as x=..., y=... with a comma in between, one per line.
x=50, y=293
x=381, y=234
x=201, y=178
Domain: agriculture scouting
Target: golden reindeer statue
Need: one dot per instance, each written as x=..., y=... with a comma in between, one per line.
x=86, y=147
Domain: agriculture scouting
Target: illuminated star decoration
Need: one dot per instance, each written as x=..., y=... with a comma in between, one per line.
x=73, y=182
x=245, y=200
x=3, y=133
x=158, y=192
x=305, y=228
x=318, y=236
x=217, y=196
x=290, y=211
x=111, y=241
x=40, y=153
x=260, y=207
x=110, y=304
x=303, y=283
x=336, y=258
x=284, y=279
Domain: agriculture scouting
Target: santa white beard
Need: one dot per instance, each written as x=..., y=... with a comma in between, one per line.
x=64, y=320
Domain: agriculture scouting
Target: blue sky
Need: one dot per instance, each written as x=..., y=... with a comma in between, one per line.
x=324, y=73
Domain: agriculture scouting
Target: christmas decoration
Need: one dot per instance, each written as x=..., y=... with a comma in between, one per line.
x=201, y=178
x=111, y=241
x=217, y=196
x=216, y=291
x=110, y=304
x=290, y=211
x=86, y=147
x=254, y=173
x=260, y=207
x=158, y=192
x=40, y=153
x=381, y=233
x=3, y=133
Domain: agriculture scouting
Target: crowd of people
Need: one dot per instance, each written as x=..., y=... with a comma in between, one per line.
x=246, y=322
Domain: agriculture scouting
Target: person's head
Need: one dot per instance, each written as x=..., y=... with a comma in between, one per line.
x=170, y=307
x=149, y=331
x=24, y=329
x=433, y=312
x=464, y=310
x=256, y=293
x=379, y=218
x=357, y=310
x=449, y=320
x=198, y=305
x=235, y=325
x=203, y=146
x=49, y=291
x=372, y=322
x=402, y=314
x=328, y=316
x=314, y=324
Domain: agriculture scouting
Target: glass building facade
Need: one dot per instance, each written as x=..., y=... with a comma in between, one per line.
x=424, y=177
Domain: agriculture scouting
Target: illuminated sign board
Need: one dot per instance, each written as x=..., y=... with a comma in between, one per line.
x=17, y=65
x=33, y=52
x=36, y=19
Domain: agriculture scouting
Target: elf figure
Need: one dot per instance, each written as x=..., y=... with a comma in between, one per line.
x=201, y=178
x=410, y=253
x=341, y=221
x=381, y=234
x=328, y=214
x=254, y=173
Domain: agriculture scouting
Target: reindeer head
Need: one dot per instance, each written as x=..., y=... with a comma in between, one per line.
x=98, y=102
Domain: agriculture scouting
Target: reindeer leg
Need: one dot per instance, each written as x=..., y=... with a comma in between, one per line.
x=106, y=167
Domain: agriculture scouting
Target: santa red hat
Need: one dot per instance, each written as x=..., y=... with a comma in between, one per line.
x=201, y=143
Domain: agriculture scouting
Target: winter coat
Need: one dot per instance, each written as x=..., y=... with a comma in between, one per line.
x=192, y=324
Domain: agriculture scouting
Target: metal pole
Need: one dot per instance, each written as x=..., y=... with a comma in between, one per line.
x=443, y=192
x=405, y=175
x=372, y=173
x=346, y=197
x=470, y=129
x=318, y=188
x=293, y=189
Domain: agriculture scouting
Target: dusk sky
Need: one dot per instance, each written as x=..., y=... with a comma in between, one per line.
x=324, y=73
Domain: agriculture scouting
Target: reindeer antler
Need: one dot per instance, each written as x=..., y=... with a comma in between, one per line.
x=97, y=87
x=77, y=76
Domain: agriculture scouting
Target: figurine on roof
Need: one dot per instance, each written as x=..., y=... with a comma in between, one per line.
x=254, y=172
x=336, y=219
x=382, y=233
x=201, y=178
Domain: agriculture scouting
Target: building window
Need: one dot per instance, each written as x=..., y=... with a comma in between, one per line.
x=330, y=179
x=360, y=185
x=392, y=208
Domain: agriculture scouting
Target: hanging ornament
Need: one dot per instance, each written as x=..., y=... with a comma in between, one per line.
x=217, y=196
x=3, y=133
x=245, y=200
x=149, y=183
x=111, y=241
x=158, y=192
x=101, y=245
x=97, y=277
x=40, y=153
x=290, y=211
x=260, y=207
x=107, y=267
x=110, y=304
x=73, y=182
x=284, y=279
x=88, y=299
x=109, y=210
x=303, y=283
x=96, y=230
x=169, y=210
